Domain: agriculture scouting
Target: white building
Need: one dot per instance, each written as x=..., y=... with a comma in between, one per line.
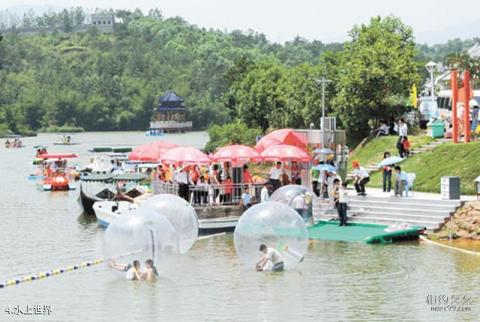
x=103, y=22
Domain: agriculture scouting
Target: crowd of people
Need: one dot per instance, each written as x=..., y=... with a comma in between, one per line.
x=399, y=128
x=323, y=178
x=217, y=184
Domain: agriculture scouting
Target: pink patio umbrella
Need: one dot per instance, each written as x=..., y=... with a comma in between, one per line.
x=283, y=136
x=285, y=152
x=236, y=154
x=150, y=152
x=185, y=155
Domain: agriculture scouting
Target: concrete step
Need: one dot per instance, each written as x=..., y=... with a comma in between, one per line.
x=403, y=207
x=393, y=216
x=402, y=211
x=406, y=200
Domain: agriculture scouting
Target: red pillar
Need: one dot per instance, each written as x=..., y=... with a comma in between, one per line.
x=466, y=113
x=453, y=80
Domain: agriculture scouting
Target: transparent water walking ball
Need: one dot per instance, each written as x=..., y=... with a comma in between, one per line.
x=275, y=225
x=181, y=215
x=297, y=197
x=139, y=234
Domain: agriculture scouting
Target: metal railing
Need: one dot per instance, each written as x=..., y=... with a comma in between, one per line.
x=211, y=195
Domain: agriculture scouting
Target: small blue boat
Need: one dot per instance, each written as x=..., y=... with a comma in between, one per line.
x=155, y=132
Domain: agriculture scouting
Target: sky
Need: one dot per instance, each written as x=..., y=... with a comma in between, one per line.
x=433, y=21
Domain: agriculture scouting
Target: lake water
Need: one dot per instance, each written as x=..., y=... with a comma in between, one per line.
x=336, y=282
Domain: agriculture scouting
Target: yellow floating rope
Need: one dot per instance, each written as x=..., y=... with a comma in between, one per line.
x=59, y=271
x=72, y=268
x=471, y=252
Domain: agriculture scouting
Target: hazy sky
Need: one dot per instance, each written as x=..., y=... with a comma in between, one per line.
x=282, y=20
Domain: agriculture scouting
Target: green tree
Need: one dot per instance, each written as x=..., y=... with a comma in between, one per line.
x=231, y=133
x=376, y=68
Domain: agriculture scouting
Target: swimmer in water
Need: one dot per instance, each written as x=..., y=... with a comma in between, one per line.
x=150, y=273
x=132, y=270
x=270, y=255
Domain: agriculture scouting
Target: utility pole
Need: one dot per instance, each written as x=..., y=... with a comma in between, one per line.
x=323, y=81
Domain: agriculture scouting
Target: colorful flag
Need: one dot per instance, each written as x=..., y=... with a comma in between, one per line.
x=413, y=96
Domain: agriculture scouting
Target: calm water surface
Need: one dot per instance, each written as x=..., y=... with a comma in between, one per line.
x=336, y=282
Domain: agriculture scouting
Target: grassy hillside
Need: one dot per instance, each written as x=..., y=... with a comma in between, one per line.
x=372, y=153
x=449, y=159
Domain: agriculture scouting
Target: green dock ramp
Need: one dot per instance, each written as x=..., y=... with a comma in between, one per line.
x=361, y=232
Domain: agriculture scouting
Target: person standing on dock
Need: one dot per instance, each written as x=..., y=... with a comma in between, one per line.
x=265, y=192
x=182, y=180
x=246, y=199
x=361, y=178
x=401, y=181
x=315, y=173
x=275, y=175
x=342, y=202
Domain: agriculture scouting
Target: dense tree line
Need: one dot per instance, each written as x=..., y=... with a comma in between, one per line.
x=100, y=81
x=370, y=80
x=104, y=81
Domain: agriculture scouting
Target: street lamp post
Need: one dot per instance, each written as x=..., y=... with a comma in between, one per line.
x=431, y=67
x=323, y=81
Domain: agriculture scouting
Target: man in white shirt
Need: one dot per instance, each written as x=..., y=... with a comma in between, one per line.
x=270, y=255
x=275, y=175
x=182, y=179
x=403, y=133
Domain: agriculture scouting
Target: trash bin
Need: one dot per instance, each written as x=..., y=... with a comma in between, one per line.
x=436, y=129
x=450, y=188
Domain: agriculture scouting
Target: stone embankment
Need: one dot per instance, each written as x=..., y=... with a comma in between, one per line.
x=465, y=224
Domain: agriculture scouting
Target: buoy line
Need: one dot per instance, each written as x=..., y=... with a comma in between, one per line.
x=471, y=252
x=70, y=268
x=58, y=271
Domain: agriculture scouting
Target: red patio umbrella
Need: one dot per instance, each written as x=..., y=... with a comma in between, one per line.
x=285, y=152
x=236, y=154
x=150, y=152
x=283, y=136
x=185, y=155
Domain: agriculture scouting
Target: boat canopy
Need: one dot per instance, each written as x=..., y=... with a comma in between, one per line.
x=108, y=177
x=104, y=149
x=58, y=156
